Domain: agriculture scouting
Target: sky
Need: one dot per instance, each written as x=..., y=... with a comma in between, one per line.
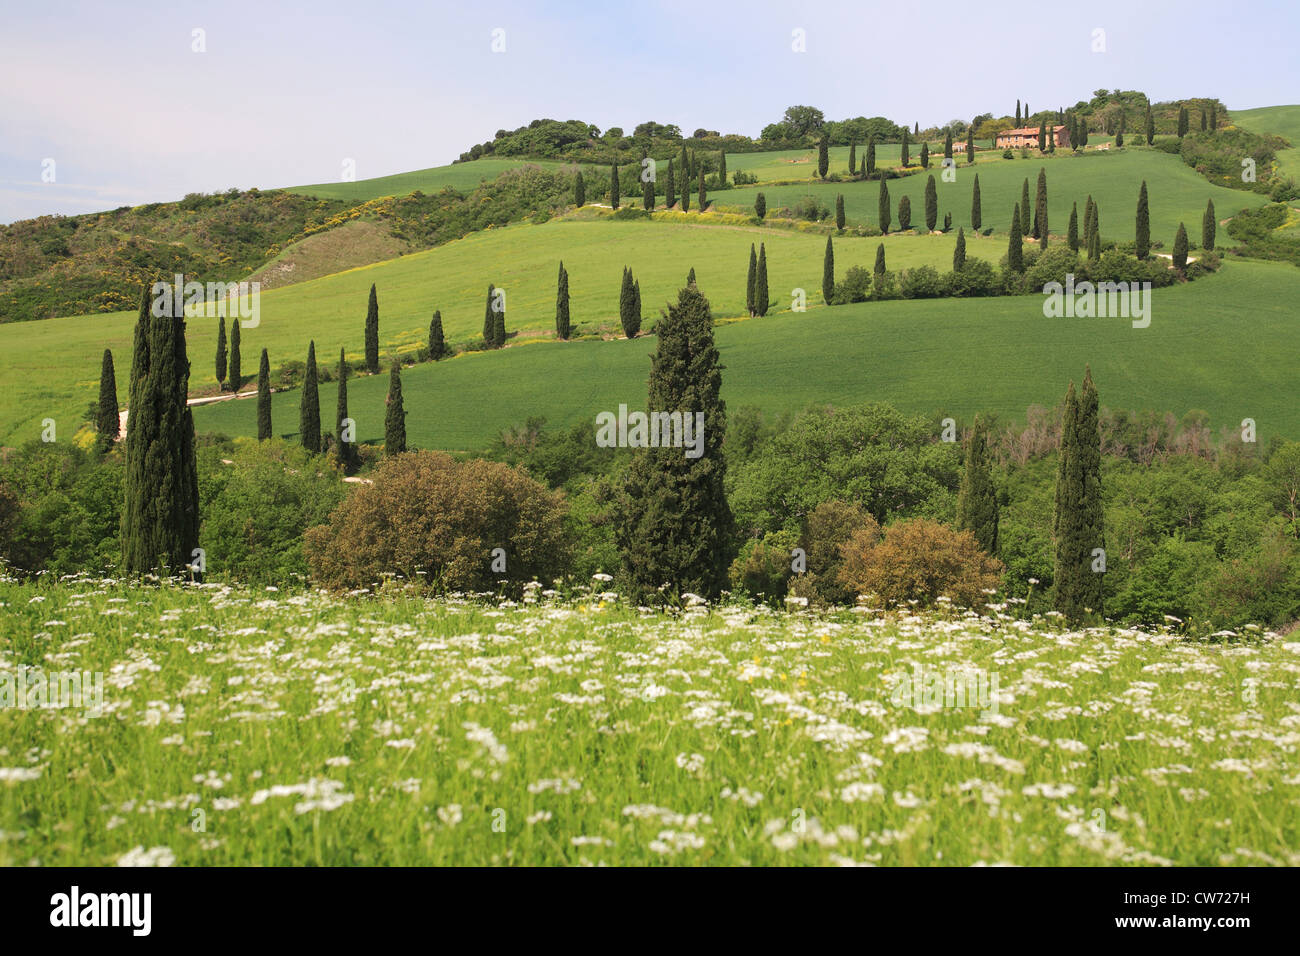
x=105, y=105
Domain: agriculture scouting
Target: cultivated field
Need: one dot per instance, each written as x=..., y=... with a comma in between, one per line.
x=261, y=728
x=463, y=176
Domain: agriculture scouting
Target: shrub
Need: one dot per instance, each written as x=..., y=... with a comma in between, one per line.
x=811, y=209
x=976, y=278
x=762, y=569
x=429, y=517
x=923, y=282
x=854, y=287
x=919, y=560
x=743, y=177
x=826, y=528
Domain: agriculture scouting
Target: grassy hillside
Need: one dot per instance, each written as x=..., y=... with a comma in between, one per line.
x=1282, y=120
x=995, y=355
x=51, y=368
x=461, y=176
x=1177, y=192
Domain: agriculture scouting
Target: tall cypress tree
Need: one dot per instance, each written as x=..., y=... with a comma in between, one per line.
x=977, y=500
x=343, y=450
x=1015, y=252
x=1024, y=208
x=562, y=304
x=1089, y=444
x=579, y=190
x=636, y=303
x=372, y=332
x=1017, y=114
x=947, y=143
x=264, y=398
x=959, y=253
x=1182, y=122
x=108, y=423
x=648, y=195
x=760, y=285
x=1078, y=520
x=613, y=185
x=907, y=158
x=629, y=311
x=882, y=206
x=309, y=407
x=839, y=212
x=904, y=213
x=677, y=527
x=1072, y=236
x=1150, y=128
x=1180, y=248
x=489, y=321
x=722, y=168
x=1042, y=137
x=221, y=352
x=1119, y=134
x=394, y=414
x=1094, y=238
x=670, y=196
x=499, y=329
x=931, y=205
x=853, y=157
x=234, y=372
x=751, y=279
x=437, y=341
x=160, y=516
x=970, y=144
x=976, y=210
x=684, y=182
x=690, y=276
x=879, y=269
x=760, y=205
x=925, y=155
x=1142, y=247
x=828, y=273
x=704, y=197
x=1087, y=222
x=871, y=157
x=823, y=157
x=1214, y=117
x=1209, y=225
x=1203, y=127
x=1040, y=210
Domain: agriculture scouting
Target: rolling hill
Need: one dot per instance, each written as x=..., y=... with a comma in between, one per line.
x=1282, y=120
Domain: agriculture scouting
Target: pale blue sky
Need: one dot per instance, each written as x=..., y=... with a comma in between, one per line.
x=286, y=91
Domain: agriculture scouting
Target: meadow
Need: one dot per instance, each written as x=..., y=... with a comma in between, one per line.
x=1213, y=345
x=243, y=727
x=461, y=176
x=1281, y=120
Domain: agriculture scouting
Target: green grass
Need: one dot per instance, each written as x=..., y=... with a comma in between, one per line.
x=252, y=728
x=461, y=176
x=1282, y=120
x=1218, y=344
x=1176, y=192
x=51, y=368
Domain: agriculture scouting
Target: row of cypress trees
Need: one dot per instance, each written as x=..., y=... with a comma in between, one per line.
x=756, y=291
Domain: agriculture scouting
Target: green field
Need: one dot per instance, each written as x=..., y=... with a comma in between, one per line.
x=1177, y=193
x=462, y=176
x=51, y=368
x=1214, y=345
x=240, y=727
x=1282, y=120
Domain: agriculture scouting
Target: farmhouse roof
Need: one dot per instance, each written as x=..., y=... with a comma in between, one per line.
x=1028, y=130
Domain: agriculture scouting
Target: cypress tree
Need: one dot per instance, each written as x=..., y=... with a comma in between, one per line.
x=372, y=332
x=648, y=195
x=925, y=155
x=751, y=280
x=959, y=253
x=1180, y=248
x=1087, y=222
x=828, y=273
x=760, y=205
x=722, y=168
x=221, y=352
x=1119, y=134
x=904, y=213
x=670, y=199
x=871, y=157
x=489, y=322
x=1214, y=117
x=1182, y=122
x=677, y=526
x=1017, y=114
x=1015, y=254
x=309, y=407
x=1042, y=137
x=562, y=304
x=636, y=303
x=882, y=207
x=1072, y=236
x=853, y=157
x=977, y=500
x=499, y=329
x=1209, y=226
x=704, y=198
x=931, y=205
x=1078, y=521
x=907, y=158
x=1143, y=244
x=685, y=183
x=1150, y=126
x=1203, y=121
x=108, y=423
x=970, y=144
x=1024, y=208
x=976, y=212
x=690, y=276
x=823, y=157
x=579, y=190
x=947, y=144
x=629, y=307
x=264, y=398
x=879, y=269
x=160, y=516
x=437, y=341
x=1040, y=210
x=613, y=185
x=1094, y=240
x=394, y=414
x=234, y=373
x=760, y=286
x=343, y=450
x=839, y=212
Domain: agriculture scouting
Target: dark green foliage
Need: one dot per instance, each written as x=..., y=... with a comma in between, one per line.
x=234, y=372
x=1017, y=114
x=839, y=212
x=437, y=341
x=1142, y=245
x=107, y=422
x=870, y=161
x=489, y=321
x=344, y=451
x=1203, y=126
x=1150, y=127
x=1180, y=248
x=221, y=351
x=760, y=285
x=160, y=517
x=931, y=205
x=977, y=499
x=677, y=526
x=670, y=187
x=684, y=182
x=704, y=198
x=1182, y=122
x=925, y=155
x=907, y=159
x=647, y=194
x=579, y=190
x=309, y=407
x=372, y=331
x=1077, y=524
x=1040, y=210
x=1015, y=250
x=882, y=207
x=264, y=398
x=828, y=273
x=1209, y=225
x=562, y=304
x=394, y=414
x=959, y=253
x=1072, y=234
x=499, y=329
x=722, y=167
x=879, y=269
x=751, y=279
x=1214, y=118
x=613, y=185
x=1119, y=135
x=853, y=157
x=823, y=157
x=947, y=144
x=760, y=205
x=629, y=310
x=976, y=211
x=1024, y=208
x=904, y=213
